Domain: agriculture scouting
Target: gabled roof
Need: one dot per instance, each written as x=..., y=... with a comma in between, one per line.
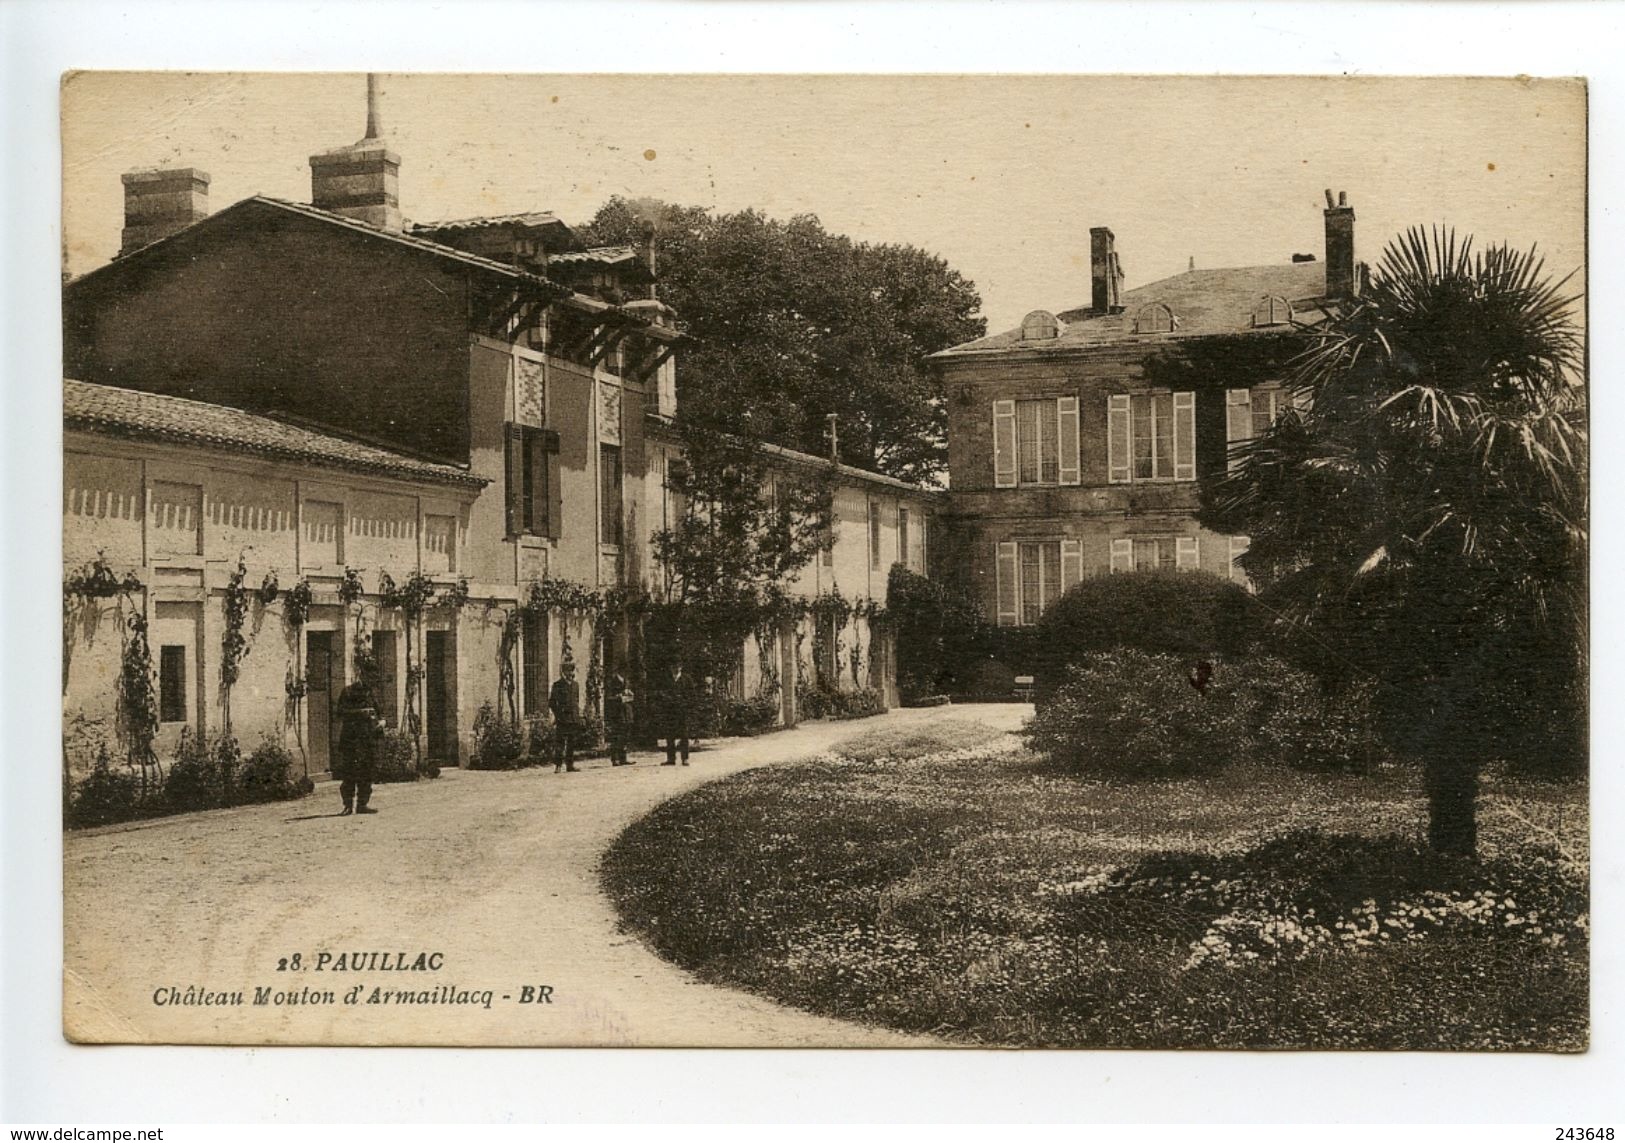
x=261, y=202
x=1204, y=303
x=132, y=414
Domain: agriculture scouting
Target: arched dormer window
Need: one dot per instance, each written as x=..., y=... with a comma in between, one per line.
x=1272, y=309
x=1040, y=325
x=1157, y=317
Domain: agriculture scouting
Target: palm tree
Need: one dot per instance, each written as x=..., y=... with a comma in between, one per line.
x=1420, y=516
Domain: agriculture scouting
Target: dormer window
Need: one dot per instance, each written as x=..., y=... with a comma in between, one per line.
x=1040, y=325
x=1272, y=309
x=1155, y=318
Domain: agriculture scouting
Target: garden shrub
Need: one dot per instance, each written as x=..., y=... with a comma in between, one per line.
x=1296, y=721
x=813, y=700
x=105, y=795
x=498, y=742
x=396, y=759
x=940, y=632
x=1157, y=612
x=865, y=702
x=267, y=775
x=751, y=715
x=204, y=774
x=1130, y=714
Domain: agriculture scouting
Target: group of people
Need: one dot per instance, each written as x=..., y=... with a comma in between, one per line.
x=360, y=727
x=674, y=701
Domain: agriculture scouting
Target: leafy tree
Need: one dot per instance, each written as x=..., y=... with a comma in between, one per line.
x=1423, y=521
x=794, y=323
x=745, y=524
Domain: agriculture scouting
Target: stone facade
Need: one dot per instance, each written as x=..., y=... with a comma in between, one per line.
x=1078, y=443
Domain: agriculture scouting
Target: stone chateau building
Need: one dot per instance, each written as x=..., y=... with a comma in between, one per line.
x=1076, y=443
x=330, y=394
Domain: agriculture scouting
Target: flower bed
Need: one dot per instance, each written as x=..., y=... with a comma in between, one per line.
x=948, y=881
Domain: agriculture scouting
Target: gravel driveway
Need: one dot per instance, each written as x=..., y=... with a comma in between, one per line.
x=497, y=872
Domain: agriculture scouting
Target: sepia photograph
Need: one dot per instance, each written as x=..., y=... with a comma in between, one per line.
x=845, y=561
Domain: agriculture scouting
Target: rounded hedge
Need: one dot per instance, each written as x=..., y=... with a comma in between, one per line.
x=1158, y=612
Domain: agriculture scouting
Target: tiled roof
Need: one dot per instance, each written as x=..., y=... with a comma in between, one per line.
x=608, y=255
x=1204, y=302
x=665, y=427
x=155, y=416
x=531, y=218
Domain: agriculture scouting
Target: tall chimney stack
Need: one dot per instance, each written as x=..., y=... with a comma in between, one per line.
x=1105, y=274
x=1340, y=281
x=360, y=181
x=157, y=203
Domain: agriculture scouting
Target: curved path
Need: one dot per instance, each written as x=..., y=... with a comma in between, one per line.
x=498, y=872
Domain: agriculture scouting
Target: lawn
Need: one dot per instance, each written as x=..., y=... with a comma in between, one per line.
x=950, y=882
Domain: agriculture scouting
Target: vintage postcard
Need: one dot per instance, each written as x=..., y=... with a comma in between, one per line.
x=839, y=561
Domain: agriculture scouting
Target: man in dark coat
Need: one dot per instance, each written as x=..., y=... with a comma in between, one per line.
x=564, y=700
x=358, y=731
x=676, y=705
x=618, y=719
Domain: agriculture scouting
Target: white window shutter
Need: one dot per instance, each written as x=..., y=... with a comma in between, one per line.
x=1071, y=564
x=1009, y=605
x=1187, y=554
x=1004, y=444
x=1238, y=420
x=1122, y=555
x=1066, y=412
x=1184, y=436
x=1119, y=450
x=1238, y=548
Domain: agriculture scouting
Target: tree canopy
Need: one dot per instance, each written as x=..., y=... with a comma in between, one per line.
x=1424, y=520
x=793, y=323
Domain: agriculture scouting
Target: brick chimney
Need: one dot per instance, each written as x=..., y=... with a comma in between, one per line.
x=1105, y=273
x=360, y=181
x=157, y=203
x=1340, y=270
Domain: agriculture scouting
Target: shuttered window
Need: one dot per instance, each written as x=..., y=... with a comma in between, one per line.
x=1156, y=553
x=610, y=497
x=874, y=535
x=1032, y=575
x=1238, y=548
x=1035, y=442
x=1151, y=436
x=532, y=486
x=1248, y=412
x=904, y=555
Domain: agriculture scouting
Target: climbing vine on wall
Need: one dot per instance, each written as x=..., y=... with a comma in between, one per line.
x=233, y=643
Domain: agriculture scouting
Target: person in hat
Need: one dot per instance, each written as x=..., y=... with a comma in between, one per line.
x=564, y=700
x=359, y=725
x=676, y=705
x=618, y=718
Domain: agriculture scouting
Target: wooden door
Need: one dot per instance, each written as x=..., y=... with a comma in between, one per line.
x=320, y=698
x=439, y=662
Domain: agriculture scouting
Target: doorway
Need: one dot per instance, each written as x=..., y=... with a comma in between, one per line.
x=319, y=697
x=440, y=661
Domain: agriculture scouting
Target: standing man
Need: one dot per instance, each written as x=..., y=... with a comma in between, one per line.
x=358, y=729
x=564, y=700
x=618, y=718
x=676, y=705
